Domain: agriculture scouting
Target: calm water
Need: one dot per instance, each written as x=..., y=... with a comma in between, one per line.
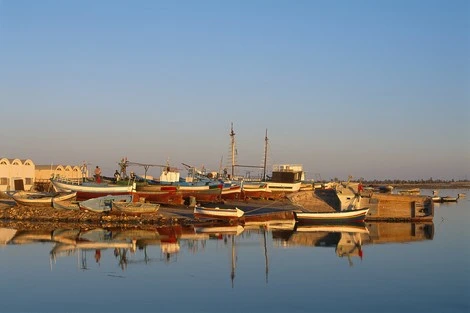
x=383, y=267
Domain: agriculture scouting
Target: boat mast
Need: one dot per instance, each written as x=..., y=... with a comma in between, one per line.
x=232, y=148
x=265, y=154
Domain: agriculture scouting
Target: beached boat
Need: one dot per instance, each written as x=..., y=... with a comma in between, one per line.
x=88, y=190
x=217, y=213
x=231, y=190
x=103, y=204
x=69, y=204
x=256, y=190
x=286, y=178
x=332, y=217
x=40, y=199
x=134, y=208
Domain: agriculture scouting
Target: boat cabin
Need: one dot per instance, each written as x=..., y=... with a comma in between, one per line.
x=287, y=173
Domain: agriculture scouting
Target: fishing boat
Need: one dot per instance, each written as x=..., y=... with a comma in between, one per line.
x=332, y=217
x=134, y=208
x=218, y=213
x=89, y=190
x=256, y=190
x=103, y=204
x=231, y=190
x=40, y=199
x=286, y=178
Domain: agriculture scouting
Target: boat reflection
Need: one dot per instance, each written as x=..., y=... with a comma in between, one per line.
x=130, y=245
x=349, y=239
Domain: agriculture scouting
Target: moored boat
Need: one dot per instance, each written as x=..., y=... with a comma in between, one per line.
x=332, y=217
x=449, y=199
x=217, y=213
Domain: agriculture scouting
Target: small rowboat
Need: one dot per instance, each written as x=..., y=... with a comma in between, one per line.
x=332, y=217
x=103, y=204
x=218, y=213
x=41, y=199
x=134, y=208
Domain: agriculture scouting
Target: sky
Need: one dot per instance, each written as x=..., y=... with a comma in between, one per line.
x=371, y=89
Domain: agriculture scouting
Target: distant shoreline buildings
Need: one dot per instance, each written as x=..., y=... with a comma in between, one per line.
x=23, y=174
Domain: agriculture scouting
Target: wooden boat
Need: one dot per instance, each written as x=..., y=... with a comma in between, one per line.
x=69, y=204
x=231, y=191
x=40, y=199
x=88, y=190
x=161, y=197
x=217, y=213
x=103, y=204
x=413, y=191
x=449, y=199
x=134, y=208
x=332, y=217
x=256, y=190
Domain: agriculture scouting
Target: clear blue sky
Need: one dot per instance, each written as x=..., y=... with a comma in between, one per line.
x=373, y=89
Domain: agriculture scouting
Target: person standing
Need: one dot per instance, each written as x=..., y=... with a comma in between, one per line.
x=98, y=174
x=117, y=176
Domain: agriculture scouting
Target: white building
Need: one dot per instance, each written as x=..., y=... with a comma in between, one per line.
x=16, y=174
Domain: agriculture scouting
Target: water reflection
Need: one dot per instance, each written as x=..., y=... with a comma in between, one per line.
x=129, y=246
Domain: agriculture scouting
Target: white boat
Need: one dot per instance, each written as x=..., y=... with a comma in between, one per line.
x=91, y=187
x=203, y=212
x=286, y=178
x=40, y=199
x=332, y=217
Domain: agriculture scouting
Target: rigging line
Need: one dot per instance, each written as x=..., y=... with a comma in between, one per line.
x=265, y=206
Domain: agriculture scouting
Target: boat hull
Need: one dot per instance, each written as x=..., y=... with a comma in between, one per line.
x=349, y=216
x=38, y=199
x=134, y=208
x=94, y=188
x=217, y=213
x=161, y=197
x=103, y=204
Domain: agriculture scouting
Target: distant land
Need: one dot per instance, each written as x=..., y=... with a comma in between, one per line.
x=423, y=184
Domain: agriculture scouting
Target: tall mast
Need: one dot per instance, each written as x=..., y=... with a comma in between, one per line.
x=265, y=154
x=232, y=149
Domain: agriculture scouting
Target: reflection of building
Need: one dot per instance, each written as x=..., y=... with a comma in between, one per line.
x=16, y=174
